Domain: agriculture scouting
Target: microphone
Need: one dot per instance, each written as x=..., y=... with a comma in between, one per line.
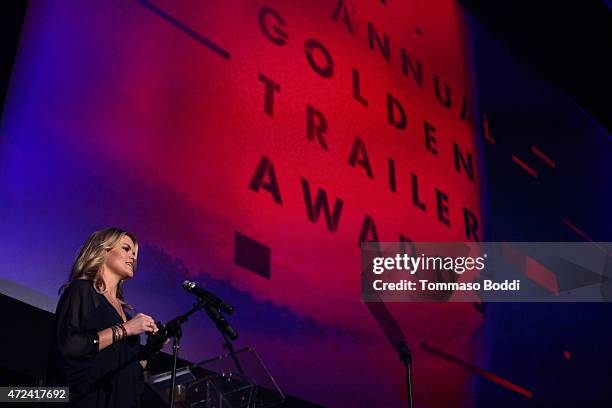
x=221, y=323
x=207, y=297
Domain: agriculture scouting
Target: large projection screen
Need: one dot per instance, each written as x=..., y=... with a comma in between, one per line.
x=252, y=146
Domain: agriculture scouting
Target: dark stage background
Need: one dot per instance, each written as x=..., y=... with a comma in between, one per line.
x=252, y=146
x=548, y=166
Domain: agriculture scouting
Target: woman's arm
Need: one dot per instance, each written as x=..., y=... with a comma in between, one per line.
x=105, y=338
x=140, y=323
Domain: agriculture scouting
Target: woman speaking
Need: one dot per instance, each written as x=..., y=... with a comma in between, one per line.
x=96, y=347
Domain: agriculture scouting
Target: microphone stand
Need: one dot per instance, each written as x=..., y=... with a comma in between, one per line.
x=396, y=337
x=230, y=347
x=176, y=340
x=174, y=329
x=222, y=326
x=406, y=358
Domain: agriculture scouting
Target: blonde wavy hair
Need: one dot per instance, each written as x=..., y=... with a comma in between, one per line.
x=88, y=264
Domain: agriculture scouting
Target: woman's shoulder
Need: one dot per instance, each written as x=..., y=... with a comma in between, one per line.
x=82, y=282
x=76, y=293
x=79, y=286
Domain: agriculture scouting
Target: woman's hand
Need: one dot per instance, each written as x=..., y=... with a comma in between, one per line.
x=141, y=323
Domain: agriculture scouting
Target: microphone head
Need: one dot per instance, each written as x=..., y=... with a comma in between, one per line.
x=188, y=285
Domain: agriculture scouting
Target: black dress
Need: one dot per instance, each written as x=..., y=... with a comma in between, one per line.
x=110, y=378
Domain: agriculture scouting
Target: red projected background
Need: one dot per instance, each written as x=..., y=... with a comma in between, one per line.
x=257, y=144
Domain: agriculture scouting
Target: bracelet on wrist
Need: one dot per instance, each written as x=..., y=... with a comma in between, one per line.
x=123, y=330
x=115, y=333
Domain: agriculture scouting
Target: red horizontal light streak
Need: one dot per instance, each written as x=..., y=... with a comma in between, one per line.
x=525, y=167
x=582, y=234
x=482, y=372
x=544, y=157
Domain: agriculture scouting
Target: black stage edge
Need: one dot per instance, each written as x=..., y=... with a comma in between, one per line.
x=25, y=340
